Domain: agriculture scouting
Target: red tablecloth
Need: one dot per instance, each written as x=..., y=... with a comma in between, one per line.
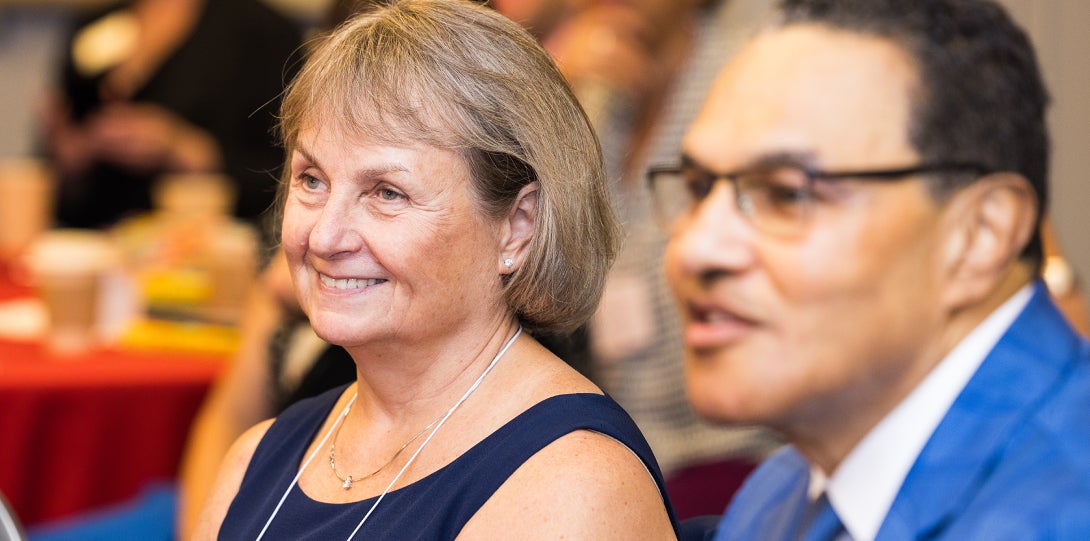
x=77, y=433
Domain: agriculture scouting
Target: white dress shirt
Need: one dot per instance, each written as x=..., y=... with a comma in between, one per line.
x=863, y=487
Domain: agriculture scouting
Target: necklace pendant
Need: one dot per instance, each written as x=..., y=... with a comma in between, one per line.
x=347, y=483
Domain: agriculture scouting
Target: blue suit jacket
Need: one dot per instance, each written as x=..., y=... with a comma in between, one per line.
x=1009, y=461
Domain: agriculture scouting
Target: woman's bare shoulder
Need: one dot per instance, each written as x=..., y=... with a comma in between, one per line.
x=584, y=485
x=228, y=481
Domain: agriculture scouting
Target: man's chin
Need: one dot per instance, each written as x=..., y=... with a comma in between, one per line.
x=722, y=405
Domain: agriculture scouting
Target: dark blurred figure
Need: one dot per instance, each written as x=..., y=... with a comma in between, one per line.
x=150, y=87
x=641, y=69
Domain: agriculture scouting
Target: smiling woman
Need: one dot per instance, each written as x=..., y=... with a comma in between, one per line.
x=443, y=192
x=385, y=243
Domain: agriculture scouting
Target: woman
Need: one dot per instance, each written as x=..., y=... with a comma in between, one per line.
x=443, y=200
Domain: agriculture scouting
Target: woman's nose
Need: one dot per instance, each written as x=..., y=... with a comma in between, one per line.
x=336, y=230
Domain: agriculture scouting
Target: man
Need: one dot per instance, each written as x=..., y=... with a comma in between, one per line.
x=855, y=256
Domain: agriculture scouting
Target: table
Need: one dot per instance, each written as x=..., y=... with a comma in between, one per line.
x=85, y=431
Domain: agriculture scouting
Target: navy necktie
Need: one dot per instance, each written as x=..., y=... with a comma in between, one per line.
x=820, y=522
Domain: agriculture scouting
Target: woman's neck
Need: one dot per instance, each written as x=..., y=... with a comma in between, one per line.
x=400, y=379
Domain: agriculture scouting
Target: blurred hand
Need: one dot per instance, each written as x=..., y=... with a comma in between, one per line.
x=68, y=142
x=148, y=137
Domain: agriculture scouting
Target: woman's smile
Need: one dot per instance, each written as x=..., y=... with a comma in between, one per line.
x=349, y=283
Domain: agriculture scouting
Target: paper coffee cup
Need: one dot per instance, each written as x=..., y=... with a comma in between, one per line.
x=69, y=268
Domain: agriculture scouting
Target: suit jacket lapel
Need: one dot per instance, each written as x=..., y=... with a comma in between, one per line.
x=960, y=455
x=772, y=501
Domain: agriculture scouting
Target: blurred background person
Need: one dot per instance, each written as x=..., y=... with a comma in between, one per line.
x=641, y=69
x=279, y=362
x=541, y=18
x=151, y=87
x=391, y=215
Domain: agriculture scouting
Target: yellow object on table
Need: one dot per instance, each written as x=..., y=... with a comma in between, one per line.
x=180, y=336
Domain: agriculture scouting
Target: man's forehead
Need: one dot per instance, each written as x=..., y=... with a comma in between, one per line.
x=803, y=87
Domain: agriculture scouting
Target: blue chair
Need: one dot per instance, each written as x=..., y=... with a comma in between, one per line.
x=147, y=517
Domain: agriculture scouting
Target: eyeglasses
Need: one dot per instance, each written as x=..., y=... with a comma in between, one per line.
x=777, y=199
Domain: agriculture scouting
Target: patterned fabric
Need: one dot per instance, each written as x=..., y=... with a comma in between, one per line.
x=435, y=507
x=636, y=335
x=1008, y=461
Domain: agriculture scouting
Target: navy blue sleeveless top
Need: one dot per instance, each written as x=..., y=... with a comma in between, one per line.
x=435, y=507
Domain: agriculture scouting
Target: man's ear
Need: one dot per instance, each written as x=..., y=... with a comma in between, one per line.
x=990, y=221
x=518, y=229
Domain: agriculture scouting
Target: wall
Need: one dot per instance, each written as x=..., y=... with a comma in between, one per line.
x=1058, y=29
x=28, y=45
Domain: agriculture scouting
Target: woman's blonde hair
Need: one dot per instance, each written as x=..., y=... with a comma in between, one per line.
x=456, y=75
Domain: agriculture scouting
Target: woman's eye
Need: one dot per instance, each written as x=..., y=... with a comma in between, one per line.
x=389, y=194
x=310, y=182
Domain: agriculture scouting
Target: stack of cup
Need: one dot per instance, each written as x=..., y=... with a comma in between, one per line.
x=224, y=250
x=70, y=269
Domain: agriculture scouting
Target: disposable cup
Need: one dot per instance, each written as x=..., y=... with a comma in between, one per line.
x=69, y=267
x=232, y=264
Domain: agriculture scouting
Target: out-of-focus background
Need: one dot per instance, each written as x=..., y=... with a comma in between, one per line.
x=31, y=32
x=87, y=424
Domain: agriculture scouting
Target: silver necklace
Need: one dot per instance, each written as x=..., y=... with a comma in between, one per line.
x=404, y=468
x=347, y=480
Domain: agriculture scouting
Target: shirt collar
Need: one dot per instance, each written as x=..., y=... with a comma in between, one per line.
x=863, y=487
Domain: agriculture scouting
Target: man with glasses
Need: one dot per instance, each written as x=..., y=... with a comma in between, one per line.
x=855, y=251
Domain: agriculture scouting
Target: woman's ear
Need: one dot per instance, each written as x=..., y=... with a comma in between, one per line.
x=518, y=229
x=991, y=221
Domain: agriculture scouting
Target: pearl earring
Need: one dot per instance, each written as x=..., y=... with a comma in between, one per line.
x=508, y=262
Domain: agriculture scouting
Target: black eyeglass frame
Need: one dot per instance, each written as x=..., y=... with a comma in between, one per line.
x=812, y=175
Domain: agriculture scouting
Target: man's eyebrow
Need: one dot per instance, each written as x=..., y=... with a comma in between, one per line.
x=796, y=158
x=773, y=159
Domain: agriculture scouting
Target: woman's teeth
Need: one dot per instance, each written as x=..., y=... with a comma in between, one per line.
x=349, y=283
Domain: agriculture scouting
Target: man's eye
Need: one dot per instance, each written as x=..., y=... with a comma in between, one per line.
x=785, y=186
x=698, y=183
x=787, y=195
